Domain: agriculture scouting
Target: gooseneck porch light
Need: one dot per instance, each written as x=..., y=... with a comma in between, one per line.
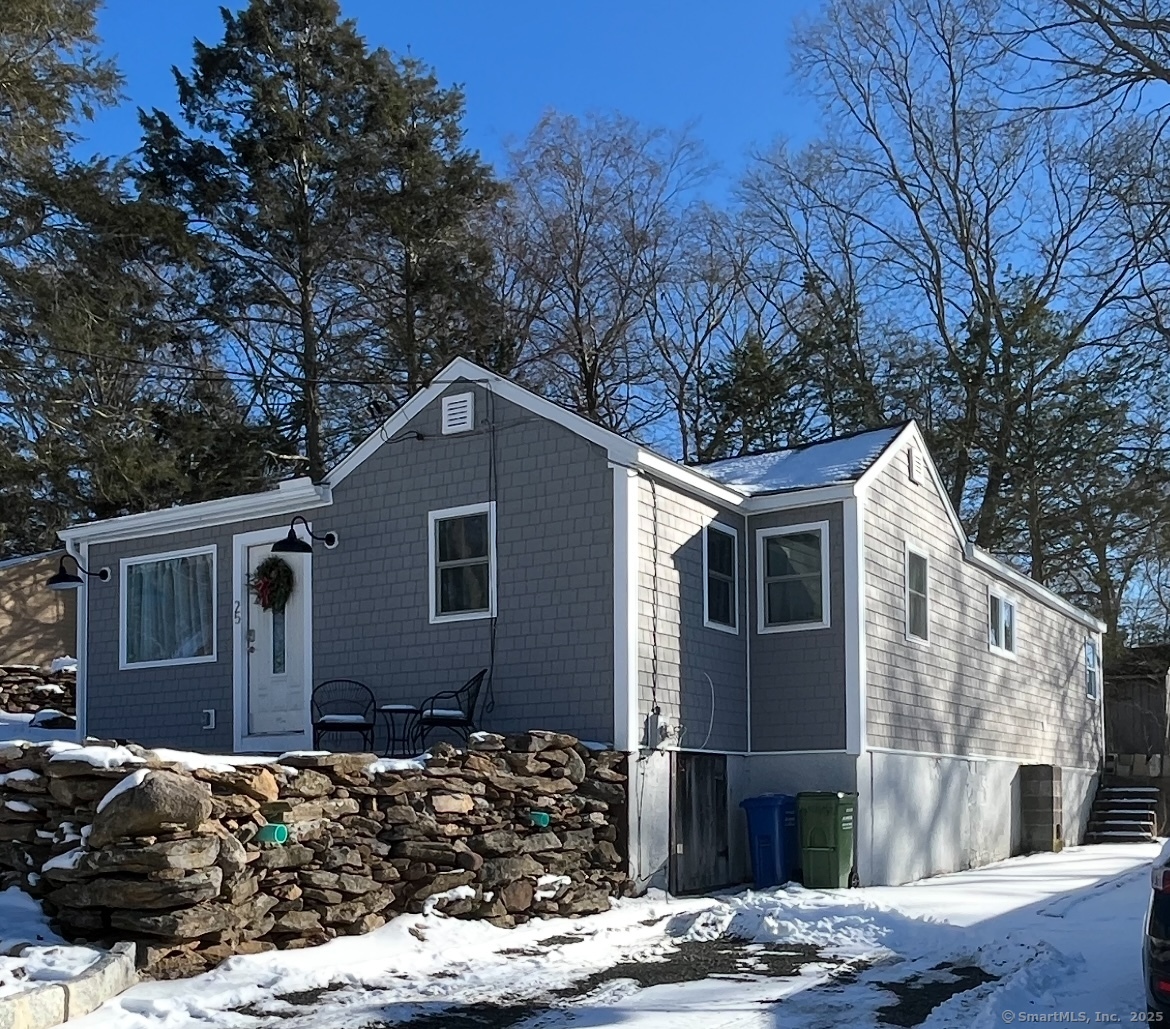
x=294, y=544
x=63, y=580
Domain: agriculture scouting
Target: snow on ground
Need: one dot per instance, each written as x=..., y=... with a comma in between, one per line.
x=1059, y=932
x=49, y=957
x=18, y=727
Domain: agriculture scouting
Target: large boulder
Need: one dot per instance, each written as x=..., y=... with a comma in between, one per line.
x=157, y=802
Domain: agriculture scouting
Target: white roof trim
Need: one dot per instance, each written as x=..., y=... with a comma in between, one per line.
x=972, y=553
x=290, y=496
x=13, y=562
x=618, y=449
x=1030, y=586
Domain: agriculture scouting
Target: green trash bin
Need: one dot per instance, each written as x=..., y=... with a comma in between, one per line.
x=825, y=823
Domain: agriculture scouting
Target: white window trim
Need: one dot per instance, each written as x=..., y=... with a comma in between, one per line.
x=139, y=559
x=734, y=534
x=1091, y=643
x=761, y=597
x=917, y=551
x=1004, y=598
x=432, y=559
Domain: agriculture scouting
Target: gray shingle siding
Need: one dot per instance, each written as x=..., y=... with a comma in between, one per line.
x=798, y=678
x=955, y=696
x=676, y=651
x=554, y=632
x=164, y=706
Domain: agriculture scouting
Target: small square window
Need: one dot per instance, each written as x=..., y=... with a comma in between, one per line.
x=1001, y=623
x=720, y=566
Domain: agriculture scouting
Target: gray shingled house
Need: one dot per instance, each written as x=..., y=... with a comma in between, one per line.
x=809, y=619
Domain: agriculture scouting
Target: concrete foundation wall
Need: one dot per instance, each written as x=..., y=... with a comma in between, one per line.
x=921, y=815
x=648, y=805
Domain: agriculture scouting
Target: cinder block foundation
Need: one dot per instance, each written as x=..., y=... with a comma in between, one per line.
x=1041, y=809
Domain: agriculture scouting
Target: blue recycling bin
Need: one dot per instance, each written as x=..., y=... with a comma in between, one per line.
x=772, y=838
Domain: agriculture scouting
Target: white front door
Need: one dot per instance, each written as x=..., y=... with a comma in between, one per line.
x=274, y=655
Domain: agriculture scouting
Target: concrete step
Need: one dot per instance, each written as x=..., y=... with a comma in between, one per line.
x=1112, y=791
x=1118, y=837
x=1119, y=825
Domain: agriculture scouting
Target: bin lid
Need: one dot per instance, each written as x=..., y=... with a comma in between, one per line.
x=768, y=800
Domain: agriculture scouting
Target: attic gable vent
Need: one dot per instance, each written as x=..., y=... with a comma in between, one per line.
x=912, y=464
x=458, y=413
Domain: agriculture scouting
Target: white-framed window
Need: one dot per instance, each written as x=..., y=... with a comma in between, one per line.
x=462, y=562
x=1001, y=623
x=1092, y=668
x=167, y=608
x=917, y=595
x=793, y=577
x=721, y=578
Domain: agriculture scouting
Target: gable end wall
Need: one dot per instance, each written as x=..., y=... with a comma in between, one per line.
x=954, y=695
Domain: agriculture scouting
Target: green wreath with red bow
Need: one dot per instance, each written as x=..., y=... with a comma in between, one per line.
x=272, y=583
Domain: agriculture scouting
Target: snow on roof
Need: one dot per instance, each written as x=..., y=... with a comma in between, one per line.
x=833, y=461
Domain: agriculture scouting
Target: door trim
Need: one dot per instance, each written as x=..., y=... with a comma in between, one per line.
x=241, y=742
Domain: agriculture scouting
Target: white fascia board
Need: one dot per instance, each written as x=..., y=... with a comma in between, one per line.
x=290, y=496
x=618, y=448
x=972, y=553
x=688, y=479
x=768, y=502
x=1030, y=586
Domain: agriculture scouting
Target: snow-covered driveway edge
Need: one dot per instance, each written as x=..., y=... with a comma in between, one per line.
x=1053, y=932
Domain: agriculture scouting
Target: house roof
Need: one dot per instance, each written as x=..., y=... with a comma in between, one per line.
x=12, y=562
x=831, y=462
x=832, y=470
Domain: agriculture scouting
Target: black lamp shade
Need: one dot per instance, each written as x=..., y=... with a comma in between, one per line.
x=292, y=544
x=63, y=580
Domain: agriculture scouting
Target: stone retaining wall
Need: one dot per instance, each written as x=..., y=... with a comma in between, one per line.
x=25, y=689
x=126, y=843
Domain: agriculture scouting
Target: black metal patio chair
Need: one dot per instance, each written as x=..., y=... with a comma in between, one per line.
x=452, y=709
x=343, y=706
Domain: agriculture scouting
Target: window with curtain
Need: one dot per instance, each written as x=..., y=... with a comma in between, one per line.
x=462, y=554
x=794, y=582
x=169, y=608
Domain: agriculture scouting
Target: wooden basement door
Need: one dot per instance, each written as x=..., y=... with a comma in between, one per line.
x=698, y=823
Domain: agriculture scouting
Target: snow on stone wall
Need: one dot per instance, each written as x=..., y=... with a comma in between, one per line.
x=164, y=848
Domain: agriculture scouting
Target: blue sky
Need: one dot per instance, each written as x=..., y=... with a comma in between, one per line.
x=720, y=65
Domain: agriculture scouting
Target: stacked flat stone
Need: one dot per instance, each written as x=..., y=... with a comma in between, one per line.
x=26, y=689
x=513, y=828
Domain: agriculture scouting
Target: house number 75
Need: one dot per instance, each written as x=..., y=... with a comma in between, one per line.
x=236, y=613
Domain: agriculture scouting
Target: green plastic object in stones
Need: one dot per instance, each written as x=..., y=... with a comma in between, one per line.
x=272, y=834
x=539, y=819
